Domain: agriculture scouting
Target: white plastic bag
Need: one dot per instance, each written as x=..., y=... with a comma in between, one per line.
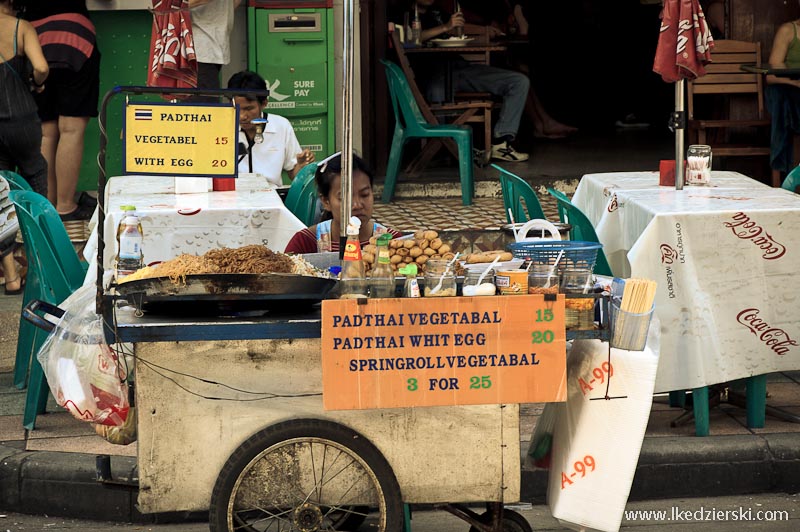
x=85, y=375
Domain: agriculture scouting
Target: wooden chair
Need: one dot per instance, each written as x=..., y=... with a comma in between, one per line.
x=468, y=108
x=725, y=77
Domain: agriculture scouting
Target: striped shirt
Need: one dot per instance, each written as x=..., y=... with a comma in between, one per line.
x=67, y=38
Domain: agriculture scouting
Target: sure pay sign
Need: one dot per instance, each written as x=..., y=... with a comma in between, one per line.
x=388, y=353
x=180, y=139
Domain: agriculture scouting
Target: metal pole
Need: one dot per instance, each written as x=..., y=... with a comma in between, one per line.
x=346, y=177
x=680, y=124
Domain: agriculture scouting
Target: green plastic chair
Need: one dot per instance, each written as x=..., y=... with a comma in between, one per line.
x=58, y=271
x=792, y=181
x=302, y=196
x=30, y=337
x=27, y=331
x=15, y=181
x=410, y=124
x=520, y=197
x=582, y=228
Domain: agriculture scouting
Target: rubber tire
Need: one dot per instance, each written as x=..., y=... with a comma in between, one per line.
x=252, y=448
x=512, y=522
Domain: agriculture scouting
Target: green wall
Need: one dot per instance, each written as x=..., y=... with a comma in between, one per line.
x=124, y=41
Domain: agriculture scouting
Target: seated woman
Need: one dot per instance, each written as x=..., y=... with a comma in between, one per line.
x=783, y=97
x=324, y=236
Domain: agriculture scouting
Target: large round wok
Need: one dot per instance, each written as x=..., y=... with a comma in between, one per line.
x=226, y=293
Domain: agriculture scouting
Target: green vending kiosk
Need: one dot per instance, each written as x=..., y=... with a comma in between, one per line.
x=291, y=47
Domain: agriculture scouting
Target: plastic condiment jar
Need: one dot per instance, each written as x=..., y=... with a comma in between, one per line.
x=436, y=270
x=471, y=287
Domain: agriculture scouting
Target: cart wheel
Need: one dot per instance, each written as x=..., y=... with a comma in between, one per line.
x=306, y=475
x=512, y=522
x=349, y=518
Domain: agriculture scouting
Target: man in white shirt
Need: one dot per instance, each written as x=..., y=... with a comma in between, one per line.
x=279, y=149
x=212, y=24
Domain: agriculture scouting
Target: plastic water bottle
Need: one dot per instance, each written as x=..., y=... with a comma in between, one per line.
x=130, y=256
x=416, y=28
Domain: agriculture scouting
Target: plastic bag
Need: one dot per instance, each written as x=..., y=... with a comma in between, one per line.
x=124, y=434
x=84, y=374
x=541, y=445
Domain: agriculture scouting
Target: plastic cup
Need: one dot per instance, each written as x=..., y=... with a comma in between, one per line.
x=628, y=329
x=578, y=311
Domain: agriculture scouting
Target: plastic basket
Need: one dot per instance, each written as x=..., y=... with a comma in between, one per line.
x=577, y=253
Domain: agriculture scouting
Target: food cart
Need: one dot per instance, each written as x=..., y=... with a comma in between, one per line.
x=231, y=414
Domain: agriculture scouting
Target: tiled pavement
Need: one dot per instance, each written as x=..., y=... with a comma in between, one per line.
x=450, y=215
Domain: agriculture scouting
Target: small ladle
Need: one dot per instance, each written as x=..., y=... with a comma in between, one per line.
x=553, y=269
x=446, y=269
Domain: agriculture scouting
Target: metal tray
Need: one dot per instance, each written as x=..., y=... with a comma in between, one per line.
x=226, y=293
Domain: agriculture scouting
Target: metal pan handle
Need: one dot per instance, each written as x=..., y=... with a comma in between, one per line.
x=29, y=313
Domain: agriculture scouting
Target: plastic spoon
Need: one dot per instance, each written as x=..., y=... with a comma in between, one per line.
x=487, y=270
x=513, y=225
x=553, y=269
x=446, y=269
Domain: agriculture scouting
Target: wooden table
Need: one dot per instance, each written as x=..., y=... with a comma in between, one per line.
x=478, y=109
x=484, y=49
x=787, y=70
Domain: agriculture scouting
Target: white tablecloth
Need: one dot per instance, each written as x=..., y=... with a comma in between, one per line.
x=594, y=187
x=725, y=259
x=197, y=222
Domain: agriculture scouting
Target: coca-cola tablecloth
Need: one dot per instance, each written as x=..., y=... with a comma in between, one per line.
x=197, y=222
x=725, y=259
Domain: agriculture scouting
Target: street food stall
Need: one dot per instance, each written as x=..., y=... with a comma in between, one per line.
x=265, y=400
x=322, y=414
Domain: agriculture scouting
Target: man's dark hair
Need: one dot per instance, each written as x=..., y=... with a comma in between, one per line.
x=247, y=79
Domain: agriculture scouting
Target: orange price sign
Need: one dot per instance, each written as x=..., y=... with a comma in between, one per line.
x=388, y=353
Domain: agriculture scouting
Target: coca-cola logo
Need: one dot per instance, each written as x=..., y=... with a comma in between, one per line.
x=776, y=339
x=746, y=229
x=668, y=254
x=613, y=205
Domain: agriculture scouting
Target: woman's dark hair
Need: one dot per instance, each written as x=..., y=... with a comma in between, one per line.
x=328, y=170
x=247, y=79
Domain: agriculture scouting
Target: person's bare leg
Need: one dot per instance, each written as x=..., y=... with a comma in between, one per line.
x=544, y=124
x=13, y=279
x=68, y=160
x=49, y=144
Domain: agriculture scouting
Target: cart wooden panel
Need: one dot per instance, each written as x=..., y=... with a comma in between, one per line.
x=438, y=454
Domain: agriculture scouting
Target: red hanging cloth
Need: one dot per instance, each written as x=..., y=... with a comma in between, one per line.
x=685, y=42
x=172, y=59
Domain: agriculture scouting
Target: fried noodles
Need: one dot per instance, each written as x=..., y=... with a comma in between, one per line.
x=252, y=259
